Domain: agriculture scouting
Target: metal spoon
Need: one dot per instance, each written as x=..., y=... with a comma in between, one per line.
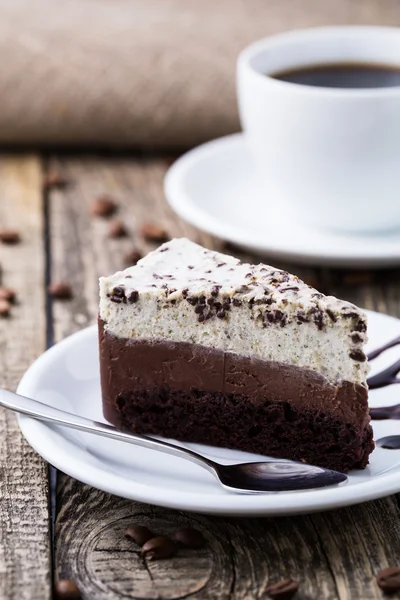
x=268, y=476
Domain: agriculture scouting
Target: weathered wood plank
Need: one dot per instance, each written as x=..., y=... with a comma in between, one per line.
x=335, y=555
x=25, y=558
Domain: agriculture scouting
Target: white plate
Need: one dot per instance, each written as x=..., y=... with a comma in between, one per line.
x=215, y=187
x=67, y=376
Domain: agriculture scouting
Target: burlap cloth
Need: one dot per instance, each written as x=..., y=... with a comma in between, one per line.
x=155, y=73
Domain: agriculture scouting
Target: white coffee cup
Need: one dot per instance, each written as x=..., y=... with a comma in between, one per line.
x=330, y=156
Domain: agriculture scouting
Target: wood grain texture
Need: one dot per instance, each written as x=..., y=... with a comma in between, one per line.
x=24, y=531
x=334, y=555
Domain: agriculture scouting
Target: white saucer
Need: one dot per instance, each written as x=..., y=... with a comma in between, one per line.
x=67, y=376
x=215, y=187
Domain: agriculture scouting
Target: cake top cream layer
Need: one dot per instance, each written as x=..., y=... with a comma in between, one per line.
x=211, y=296
x=182, y=268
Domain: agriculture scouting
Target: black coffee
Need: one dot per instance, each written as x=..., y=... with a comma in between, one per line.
x=343, y=75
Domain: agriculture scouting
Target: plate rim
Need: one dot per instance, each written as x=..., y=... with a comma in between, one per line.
x=311, y=501
x=183, y=204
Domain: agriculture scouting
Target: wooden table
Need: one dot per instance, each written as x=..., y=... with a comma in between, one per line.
x=334, y=555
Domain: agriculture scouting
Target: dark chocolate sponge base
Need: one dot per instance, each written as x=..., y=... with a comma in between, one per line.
x=218, y=419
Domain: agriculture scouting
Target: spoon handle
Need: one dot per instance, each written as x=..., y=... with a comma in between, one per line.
x=44, y=412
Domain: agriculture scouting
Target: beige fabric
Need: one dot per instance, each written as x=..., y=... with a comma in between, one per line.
x=140, y=72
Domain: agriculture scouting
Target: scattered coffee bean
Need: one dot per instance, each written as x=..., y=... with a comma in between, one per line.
x=189, y=537
x=117, y=229
x=158, y=547
x=282, y=590
x=132, y=257
x=104, y=206
x=65, y=589
x=54, y=180
x=60, y=290
x=5, y=308
x=154, y=233
x=389, y=580
x=10, y=236
x=7, y=294
x=138, y=534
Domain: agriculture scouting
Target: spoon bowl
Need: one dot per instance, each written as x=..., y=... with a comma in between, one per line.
x=277, y=476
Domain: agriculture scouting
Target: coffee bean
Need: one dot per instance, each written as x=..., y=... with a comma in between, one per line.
x=189, y=537
x=117, y=229
x=5, y=308
x=65, y=589
x=7, y=294
x=154, y=233
x=138, y=534
x=10, y=236
x=282, y=590
x=389, y=580
x=132, y=257
x=54, y=180
x=158, y=547
x=60, y=290
x=104, y=206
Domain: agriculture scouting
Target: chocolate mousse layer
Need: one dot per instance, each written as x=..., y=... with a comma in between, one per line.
x=199, y=394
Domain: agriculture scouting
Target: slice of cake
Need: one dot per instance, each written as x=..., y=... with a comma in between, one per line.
x=197, y=346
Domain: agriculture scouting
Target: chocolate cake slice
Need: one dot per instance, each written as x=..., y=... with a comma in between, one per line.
x=197, y=346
